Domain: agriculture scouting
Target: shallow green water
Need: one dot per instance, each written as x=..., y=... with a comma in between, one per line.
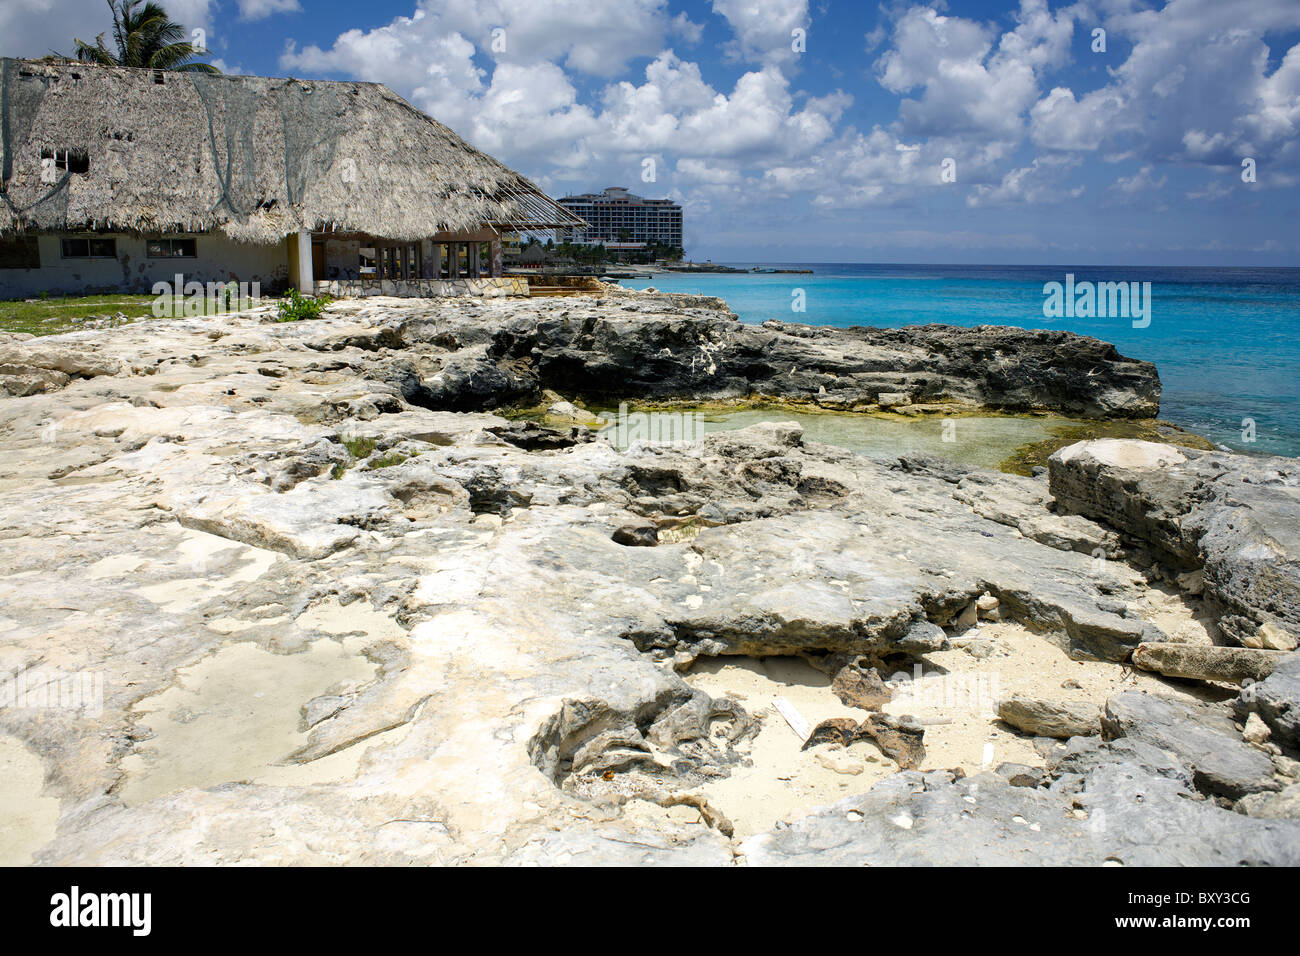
x=983, y=441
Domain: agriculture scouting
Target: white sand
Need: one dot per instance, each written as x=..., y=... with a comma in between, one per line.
x=27, y=819
x=234, y=716
x=956, y=701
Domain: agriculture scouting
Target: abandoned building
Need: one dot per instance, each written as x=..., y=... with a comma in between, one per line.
x=114, y=179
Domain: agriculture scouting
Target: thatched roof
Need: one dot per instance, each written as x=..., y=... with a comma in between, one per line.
x=254, y=157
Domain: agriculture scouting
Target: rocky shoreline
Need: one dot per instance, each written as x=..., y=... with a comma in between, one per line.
x=344, y=609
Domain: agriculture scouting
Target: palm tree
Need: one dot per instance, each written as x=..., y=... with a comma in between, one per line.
x=147, y=37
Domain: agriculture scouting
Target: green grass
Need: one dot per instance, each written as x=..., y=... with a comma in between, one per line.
x=54, y=315
x=388, y=460
x=358, y=448
x=50, y=316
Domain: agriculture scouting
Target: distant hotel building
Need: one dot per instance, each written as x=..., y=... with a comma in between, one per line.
x=616, y=216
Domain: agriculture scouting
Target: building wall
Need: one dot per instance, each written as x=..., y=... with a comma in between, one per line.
x=218, y=259
x=616, y=210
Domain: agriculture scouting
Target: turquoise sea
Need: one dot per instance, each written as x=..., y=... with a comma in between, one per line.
x=1226, y=342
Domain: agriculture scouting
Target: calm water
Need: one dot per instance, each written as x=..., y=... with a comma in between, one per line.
x=979, y=441
x=1225, y=341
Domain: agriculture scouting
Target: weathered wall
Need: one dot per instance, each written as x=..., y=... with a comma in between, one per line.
x=425, y=288
x=219, y=259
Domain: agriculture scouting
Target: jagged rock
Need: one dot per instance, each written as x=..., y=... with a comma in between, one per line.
x=898, y=738
x=1204, y=739
x=1203, y=662
x=1020, y=775
x=1050, y=718
x=1120, y=814
x=857, y=686
x=968, y=617
x=922, y=637
x=1234, y=518
x=1284, y=805
x=637, y=535
x=22, y=380
x=511, y=681
x=1271, y=637
x=595, y=351
x=1256, y=731
x=1276, y=700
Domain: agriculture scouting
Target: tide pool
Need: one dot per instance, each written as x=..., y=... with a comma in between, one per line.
x=1226, y=342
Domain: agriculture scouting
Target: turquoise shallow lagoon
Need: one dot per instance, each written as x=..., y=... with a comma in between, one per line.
x=1225, y=341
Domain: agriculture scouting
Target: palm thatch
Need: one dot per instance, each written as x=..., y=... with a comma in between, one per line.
x=254, y=157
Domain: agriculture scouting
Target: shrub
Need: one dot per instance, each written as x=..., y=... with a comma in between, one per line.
x=295, y=306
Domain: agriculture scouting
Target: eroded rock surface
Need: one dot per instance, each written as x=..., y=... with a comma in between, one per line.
x=1232, y=521
x=474, y=659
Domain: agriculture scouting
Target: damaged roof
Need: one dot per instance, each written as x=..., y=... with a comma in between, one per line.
x=86, y=147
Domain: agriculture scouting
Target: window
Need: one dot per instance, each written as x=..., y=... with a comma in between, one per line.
x=399, y=262
x=462, y=259
x=88, y=247
x=171, y=248
x=368, y=258
x=444, y=260
x=20, y=252
x=71, y=160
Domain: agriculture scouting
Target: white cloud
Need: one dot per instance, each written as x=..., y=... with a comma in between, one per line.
x=1194, y=88
x=261, y=9
x=1059, y=121
x=971, y=80
x=763, y=29
x=1143, y=182
x=699, y=171
x=1039, y=182
x=599, y=39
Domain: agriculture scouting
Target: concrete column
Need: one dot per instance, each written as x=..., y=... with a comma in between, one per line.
x=300, y=270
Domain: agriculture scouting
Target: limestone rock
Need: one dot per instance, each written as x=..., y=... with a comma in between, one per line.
x=456, y=661
x=1235, y=519
x=1203, y=738
x=1050, y=718
x=1206, y=662
x=1276, y=700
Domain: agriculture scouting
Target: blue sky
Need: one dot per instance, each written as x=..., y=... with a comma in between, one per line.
x=1058, y=153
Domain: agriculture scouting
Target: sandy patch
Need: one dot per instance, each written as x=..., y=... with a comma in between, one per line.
x=783, y=782
x=235, y=716
x=359, y=617
x=196, y=551
x=114, y=566
x=954, y=695
x=27, y=819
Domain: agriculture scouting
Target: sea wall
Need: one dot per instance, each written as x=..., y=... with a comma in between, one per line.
x=492, y=287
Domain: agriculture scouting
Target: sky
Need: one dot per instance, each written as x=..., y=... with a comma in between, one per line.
x=970, y=131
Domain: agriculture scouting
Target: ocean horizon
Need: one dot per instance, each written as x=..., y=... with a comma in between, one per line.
x=1223, y=339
